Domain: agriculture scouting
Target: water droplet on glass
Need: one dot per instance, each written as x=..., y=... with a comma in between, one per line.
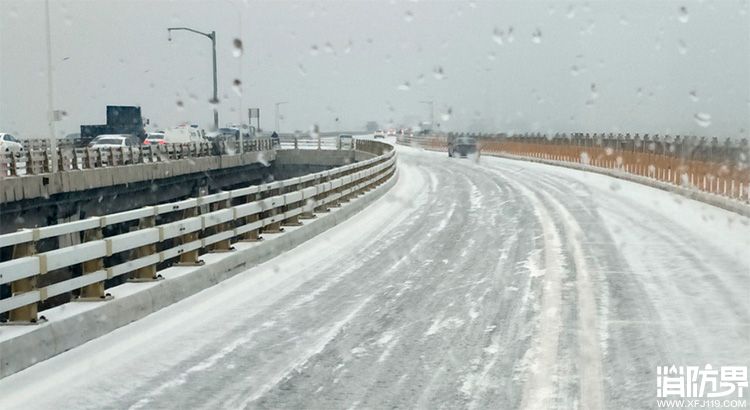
x=301, y=69
x=409, y=17
x=684, y=16
x=237, y=86
x=491, y=56
x=536, y=36
x=314, y=50
x=575, y=70
x=473, y=4
x=446, y=116
x=237, y=51
x=682, y=47
x=404, y=87
x=571, y=12
x=509, y=37
x=348, y=48
x=420, y=79
x=180, y=105
x=438, y=73
x=694, y=96
x=497, y=36
x=703, y=119
x=328, y=48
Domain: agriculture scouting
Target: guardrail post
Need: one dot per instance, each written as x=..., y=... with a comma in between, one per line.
x=190, y=258
x=274, y=227
x=252, y=235
x=322, y=208
x=24, y=314
x=294, y=220
x=224, y=245
x=146, y=273
x=95, y=291
x=296, y=143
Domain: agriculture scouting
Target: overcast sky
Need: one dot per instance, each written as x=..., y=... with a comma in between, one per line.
x=630, y=66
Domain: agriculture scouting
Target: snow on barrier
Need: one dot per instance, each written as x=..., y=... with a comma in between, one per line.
x=208, y=223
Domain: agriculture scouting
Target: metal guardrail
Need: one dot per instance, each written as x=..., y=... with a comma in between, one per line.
x=206, y=224
x=37, y=159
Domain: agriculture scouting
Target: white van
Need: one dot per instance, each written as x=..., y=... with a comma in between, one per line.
x=183, y=134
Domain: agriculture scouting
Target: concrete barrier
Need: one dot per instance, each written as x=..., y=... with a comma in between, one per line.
x=73, y=324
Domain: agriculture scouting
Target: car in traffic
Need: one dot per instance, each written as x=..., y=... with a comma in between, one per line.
x=115, y=141
x=9, y=143
x=461, y=146
x=379, y=134
x=155, y=138
x=184, y=134
x=391, y=133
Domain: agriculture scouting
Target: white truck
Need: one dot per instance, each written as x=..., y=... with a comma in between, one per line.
x=184, y=134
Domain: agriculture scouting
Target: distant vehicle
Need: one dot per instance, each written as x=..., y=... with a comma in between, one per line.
x=73, y=136
x=406, y=133
x=184, y=134
x=9, y=143
x=155, y=138
x=461, y=146
x=121, y=120
x=229, y=132
x=115, y=141
x=379, y=134
x=391, y=133
x=346, y=141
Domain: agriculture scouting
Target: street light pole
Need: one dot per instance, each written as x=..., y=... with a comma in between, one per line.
x=432, y=112
x=277, y=113
x=212, y=37
x=50, y=100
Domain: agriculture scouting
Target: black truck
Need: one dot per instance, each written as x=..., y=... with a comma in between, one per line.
x=462, y=146
x=121, y=119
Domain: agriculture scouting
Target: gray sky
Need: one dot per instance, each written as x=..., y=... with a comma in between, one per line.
x=610, y=66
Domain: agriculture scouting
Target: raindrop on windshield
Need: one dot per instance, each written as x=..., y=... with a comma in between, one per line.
x=236, y=86
x=409, y=17
x=574, y=70
x=180, y=105
x=497, y=36
x=684, y=16
x=571, y=12
x=404, y=87
x=237, y=51
x=301, y=69
x=536, y=36
x=682, y=47
x=694, y=96
x=314, y=50
x=328, y=48
x=447, y=114
x=703, y=119
x=491, y=56
x=438, y=73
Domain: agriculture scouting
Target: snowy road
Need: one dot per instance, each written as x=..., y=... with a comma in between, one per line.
x=502, y=284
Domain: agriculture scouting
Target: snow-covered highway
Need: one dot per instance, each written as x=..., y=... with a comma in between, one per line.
x=498, y=284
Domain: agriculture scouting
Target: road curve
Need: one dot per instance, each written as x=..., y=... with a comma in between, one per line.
x=472, y=284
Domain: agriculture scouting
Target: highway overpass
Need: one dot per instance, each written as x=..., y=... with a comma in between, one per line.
x=465, y=283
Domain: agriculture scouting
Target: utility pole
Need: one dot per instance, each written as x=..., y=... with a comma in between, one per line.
x=277, y=114
x=50, y=100
x=212, y=37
